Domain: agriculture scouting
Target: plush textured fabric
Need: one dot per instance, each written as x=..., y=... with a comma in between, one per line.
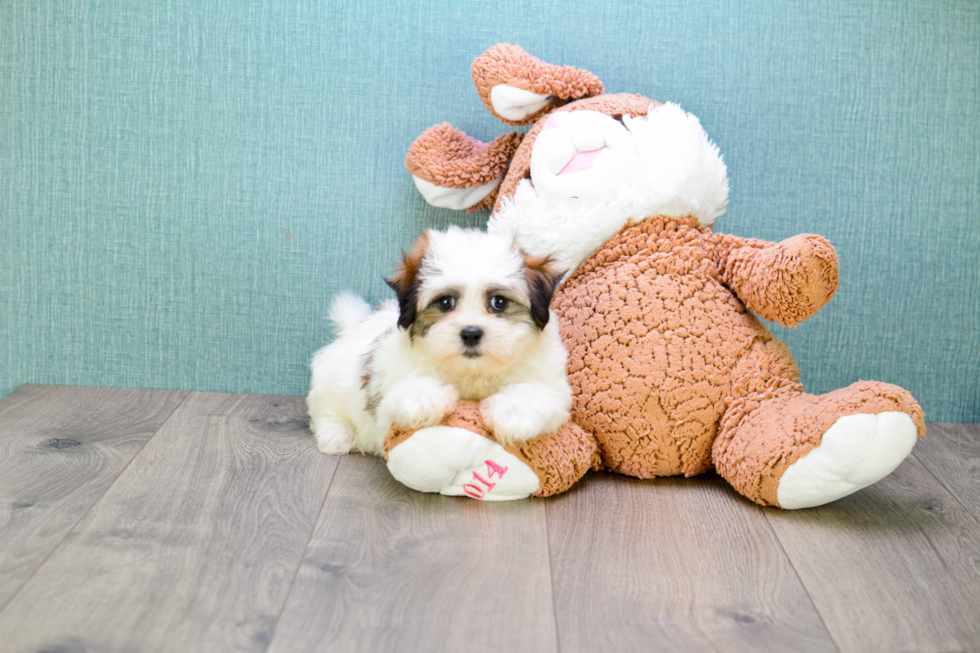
x=673, y=376
x=462, y=161
x=787, y=282
x=766, y=431
x=653, y=340
x=670, y=371
x=511, y=65
x=558, y=460
x=184, y=185
x=447, y=157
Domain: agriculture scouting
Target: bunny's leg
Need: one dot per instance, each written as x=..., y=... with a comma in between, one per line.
x=779, y=446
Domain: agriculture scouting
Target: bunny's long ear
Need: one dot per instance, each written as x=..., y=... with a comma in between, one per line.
x=456, y=171
x=519, y=88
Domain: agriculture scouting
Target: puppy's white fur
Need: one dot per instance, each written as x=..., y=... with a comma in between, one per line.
x=410, y=366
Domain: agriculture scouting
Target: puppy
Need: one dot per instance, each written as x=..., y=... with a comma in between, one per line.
x=472, y=321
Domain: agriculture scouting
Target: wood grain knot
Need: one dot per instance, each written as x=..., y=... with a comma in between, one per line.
x=63, y=443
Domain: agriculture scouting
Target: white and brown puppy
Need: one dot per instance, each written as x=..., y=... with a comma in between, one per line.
x=472, y=321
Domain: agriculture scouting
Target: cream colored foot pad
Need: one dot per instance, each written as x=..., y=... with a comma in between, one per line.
x=458, y=462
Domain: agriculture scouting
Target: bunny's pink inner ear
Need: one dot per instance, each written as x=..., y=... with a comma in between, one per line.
x=519, y=88
x=455, y=171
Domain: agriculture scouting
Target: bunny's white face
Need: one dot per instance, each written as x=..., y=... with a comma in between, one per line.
x=578, y=154
x=591, y=174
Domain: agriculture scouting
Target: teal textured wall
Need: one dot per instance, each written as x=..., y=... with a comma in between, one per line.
x=184, y=184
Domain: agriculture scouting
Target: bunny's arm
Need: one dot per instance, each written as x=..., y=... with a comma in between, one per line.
x=787, y=282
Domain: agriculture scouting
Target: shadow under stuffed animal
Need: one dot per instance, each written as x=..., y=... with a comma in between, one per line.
x=670, y=370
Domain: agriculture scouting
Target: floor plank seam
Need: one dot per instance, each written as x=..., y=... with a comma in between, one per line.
x=792, y=566
x=949, y=491
x=94, y=503
x=292, y=583
x=551, y=580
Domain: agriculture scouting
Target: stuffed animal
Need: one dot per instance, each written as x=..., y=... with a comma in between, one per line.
x=671, y=371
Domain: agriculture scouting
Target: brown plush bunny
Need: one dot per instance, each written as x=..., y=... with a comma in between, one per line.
x=671, y=371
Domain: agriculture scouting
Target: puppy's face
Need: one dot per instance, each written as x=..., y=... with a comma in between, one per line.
x=473, y=300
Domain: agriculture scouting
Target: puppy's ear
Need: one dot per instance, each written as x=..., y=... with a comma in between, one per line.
x=542, y=281
x=406, y=282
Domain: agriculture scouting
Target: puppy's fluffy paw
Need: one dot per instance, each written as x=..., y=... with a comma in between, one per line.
x=419, y=403
x=332, y=436
x=516, y=418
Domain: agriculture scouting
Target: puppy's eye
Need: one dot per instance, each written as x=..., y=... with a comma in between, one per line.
x=446, y=303
x=498, y=304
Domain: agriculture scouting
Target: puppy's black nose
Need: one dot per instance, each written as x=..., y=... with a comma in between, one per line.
x=471, y=336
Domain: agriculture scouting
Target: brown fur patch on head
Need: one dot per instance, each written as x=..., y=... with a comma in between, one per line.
x=542, y=281
x=406, y=282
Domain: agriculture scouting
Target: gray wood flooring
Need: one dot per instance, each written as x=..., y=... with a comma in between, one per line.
x=148, y=520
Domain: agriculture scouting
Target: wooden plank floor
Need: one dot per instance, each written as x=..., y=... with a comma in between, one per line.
x=142, y=520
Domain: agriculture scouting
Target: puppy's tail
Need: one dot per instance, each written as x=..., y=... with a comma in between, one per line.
x=347, y=311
